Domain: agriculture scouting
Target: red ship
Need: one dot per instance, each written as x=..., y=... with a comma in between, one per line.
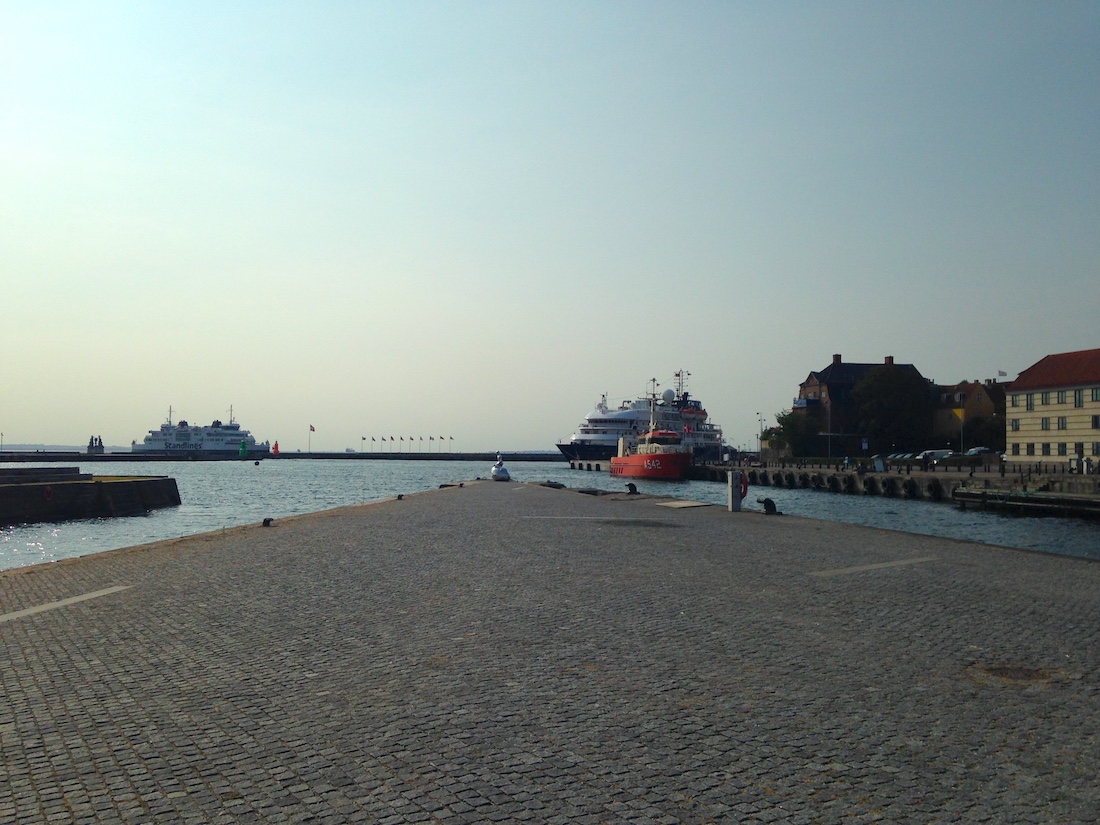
x=658, y=454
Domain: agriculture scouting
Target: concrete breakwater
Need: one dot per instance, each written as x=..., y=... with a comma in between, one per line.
x=63, y=493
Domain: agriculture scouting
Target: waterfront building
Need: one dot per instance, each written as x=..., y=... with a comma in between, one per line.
x=970, y=414
x=1053, y=411
x=827, y=395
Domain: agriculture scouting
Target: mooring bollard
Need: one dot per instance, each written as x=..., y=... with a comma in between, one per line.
x=733, y=491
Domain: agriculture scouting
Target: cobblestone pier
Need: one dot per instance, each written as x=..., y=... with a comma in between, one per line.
x=516, y=653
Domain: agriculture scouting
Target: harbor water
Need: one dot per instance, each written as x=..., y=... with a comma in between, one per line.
x=221, y=494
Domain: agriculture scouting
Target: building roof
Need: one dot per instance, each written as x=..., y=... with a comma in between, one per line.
x=1066, y=369
x=839, y=372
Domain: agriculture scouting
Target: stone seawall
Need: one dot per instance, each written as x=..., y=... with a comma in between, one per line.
x=69, y=494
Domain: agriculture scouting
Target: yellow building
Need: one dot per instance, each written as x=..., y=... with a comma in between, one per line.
x=1053, y=410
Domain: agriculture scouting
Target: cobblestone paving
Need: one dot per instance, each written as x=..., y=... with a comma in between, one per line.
x=513, y=653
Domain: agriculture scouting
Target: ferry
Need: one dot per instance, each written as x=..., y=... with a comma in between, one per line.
x=597, y=437
x=216, y=440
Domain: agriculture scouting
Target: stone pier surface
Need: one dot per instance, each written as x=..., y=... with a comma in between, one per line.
x=516, y=653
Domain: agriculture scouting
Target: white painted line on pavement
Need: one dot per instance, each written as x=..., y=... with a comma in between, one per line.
x=42, y=608
x=840, y=571
x=589, y=518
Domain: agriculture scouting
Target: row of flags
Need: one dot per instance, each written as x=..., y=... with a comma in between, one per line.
x=411, y=438
x=398, y=438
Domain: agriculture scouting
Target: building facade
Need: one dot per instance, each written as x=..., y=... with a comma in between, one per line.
x=977, y=404
x=827, y=395
x=1053, y=410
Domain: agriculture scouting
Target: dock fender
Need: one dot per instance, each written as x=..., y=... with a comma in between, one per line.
x=47, y=493
x=890, y=487
x=935, y=490
x=870, y=486
x=911, y=488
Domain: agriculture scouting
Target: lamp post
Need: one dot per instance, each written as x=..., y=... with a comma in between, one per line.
x=760, y=438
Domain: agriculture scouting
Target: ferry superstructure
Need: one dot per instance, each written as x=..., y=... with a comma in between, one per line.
x=216, y=440
x=597, y=437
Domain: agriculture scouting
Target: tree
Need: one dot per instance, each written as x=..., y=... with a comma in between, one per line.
x=800, y=431
x=894, y=408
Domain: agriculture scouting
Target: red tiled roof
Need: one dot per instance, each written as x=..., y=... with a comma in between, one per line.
x=1067, y=369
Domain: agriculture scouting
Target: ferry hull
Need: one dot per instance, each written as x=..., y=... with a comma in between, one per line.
x=665, y=466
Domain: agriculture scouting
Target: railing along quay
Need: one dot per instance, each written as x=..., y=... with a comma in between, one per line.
x=1031, y=488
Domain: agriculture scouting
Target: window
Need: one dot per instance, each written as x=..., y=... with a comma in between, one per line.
x=1044, y=398
x=1062, y=422
x=1096, y=422
x=1045, y=423
x=1078, y=448
x=1061, y=396
x=1015, y=449
x=1046, y=448
x=1015, y=401
x=1062, y=449
x=1095, y=394
x=1014, y=423
x=1030, y=399
x=1096, y=448
x=1031, y=449
x=1078, y=398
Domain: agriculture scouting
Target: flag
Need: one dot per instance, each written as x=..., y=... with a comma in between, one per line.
x=402, y=438
x=372, y=438
x=452, y=438
x=311, y=429
x=431, y=438
x=1002, y=374
x=391, y=438
x=421, y=438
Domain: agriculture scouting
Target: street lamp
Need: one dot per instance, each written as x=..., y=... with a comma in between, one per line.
x=760, y=437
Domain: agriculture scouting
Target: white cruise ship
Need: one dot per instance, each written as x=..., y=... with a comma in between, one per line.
x=597, y=437
x=217, y=440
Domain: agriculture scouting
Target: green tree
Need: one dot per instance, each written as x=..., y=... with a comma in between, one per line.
x=800, y=431
x=894, y=408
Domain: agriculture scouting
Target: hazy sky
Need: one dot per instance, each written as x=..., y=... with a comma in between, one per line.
x=472, y=218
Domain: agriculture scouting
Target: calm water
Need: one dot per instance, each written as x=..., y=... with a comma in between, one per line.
x=224, y=494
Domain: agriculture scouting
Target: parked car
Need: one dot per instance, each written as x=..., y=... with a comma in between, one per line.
x=946, y=456
x=932, y=455
x=981, y=451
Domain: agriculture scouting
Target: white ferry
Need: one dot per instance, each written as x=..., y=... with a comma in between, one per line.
x=597, y=437
x=217, y=440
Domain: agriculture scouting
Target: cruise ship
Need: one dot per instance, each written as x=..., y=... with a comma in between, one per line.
x=597, y=437
x=216, y=440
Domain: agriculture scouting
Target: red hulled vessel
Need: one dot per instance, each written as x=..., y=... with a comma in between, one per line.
x=659, y=454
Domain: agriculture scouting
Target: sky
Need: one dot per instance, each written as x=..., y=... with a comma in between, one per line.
x=472, y=219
